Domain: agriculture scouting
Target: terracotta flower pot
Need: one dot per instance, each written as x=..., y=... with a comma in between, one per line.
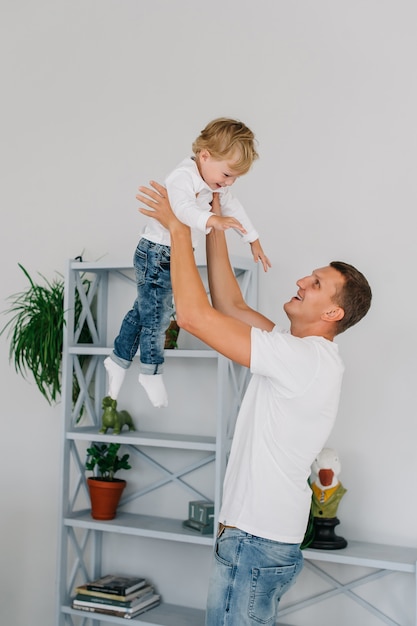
x=105, y=496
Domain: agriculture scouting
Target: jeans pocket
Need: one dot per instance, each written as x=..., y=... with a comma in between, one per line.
x=165, y=259
x=268, y=585
x=224, y=551
x=140, y=263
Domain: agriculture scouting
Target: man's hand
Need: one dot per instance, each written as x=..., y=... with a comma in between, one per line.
x=159, y=207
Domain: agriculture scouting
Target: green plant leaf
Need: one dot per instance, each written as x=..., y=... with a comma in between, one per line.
x=35, y=329
x=104, y=457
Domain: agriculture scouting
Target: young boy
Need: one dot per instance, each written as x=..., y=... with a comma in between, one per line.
x=222, y=152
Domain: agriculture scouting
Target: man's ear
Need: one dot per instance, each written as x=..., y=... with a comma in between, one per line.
x=335, y=314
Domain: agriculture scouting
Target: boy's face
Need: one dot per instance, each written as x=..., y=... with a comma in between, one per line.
x=214, y=172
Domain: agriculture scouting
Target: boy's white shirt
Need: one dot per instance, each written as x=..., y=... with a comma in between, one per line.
x=190, y=199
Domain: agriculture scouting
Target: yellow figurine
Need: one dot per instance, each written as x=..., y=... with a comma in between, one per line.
x=327, y=491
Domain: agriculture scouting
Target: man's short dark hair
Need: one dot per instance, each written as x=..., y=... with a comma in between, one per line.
x=354, y=297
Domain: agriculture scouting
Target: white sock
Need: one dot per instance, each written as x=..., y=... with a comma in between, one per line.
x=154, y=386
x=116, y=375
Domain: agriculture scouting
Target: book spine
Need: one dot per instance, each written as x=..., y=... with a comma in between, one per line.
x=87, y=593
x=113, y=590
x=119, y=613
x=91, y=609
x=95, y=600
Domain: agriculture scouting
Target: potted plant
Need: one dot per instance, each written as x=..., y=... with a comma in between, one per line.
x=171, y=334
x=36, y=333
x=105, y=490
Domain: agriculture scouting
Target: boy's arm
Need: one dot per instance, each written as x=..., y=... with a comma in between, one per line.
x=181, y=189
x=231, y=206
x=225, y=292
x=259, y=255
x=182, y=196
x=227, y=335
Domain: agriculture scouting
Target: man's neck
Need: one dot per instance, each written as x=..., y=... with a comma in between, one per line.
x=312, y=330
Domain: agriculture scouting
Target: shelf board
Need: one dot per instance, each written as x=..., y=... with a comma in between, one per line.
x=91, y=349
x=150, y=526
x=141, y=438
x=396, y=558
x=238, y=263
x=162, y=615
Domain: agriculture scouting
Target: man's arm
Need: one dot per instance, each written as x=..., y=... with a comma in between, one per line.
x=225, y=292
x=227, y=335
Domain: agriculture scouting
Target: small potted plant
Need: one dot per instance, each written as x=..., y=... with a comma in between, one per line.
x=105, y=490
x=171, y=334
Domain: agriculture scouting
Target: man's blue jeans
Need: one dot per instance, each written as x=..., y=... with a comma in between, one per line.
x=145, y=324
x=248, y=577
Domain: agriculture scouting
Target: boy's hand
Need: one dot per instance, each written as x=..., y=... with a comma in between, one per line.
x=259, y=254
x=224, y=223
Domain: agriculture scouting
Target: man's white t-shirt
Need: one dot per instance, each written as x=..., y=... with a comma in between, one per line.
x=285, y=419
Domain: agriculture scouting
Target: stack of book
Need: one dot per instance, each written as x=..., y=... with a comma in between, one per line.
x=123, y=596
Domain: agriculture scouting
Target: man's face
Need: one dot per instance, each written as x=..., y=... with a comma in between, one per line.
x=315, y=296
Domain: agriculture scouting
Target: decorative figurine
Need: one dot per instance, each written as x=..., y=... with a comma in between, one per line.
x=327, y=493
x=112, y=418
x=200, y=517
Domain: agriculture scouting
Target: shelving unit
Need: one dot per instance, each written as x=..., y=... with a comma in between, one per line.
x=381, y=559
x=82, y=539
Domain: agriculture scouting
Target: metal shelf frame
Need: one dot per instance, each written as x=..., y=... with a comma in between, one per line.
x=383, y=559
x=81, y=539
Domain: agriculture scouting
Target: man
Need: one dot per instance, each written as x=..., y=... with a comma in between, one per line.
x=285, y=419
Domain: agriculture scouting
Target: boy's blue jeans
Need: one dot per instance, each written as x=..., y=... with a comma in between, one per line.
x=248, y=577
x=145, y=324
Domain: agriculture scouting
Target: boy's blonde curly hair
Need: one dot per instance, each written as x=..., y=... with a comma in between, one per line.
x=225, y=139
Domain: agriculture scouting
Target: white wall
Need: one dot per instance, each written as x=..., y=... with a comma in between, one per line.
x=98, y=97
